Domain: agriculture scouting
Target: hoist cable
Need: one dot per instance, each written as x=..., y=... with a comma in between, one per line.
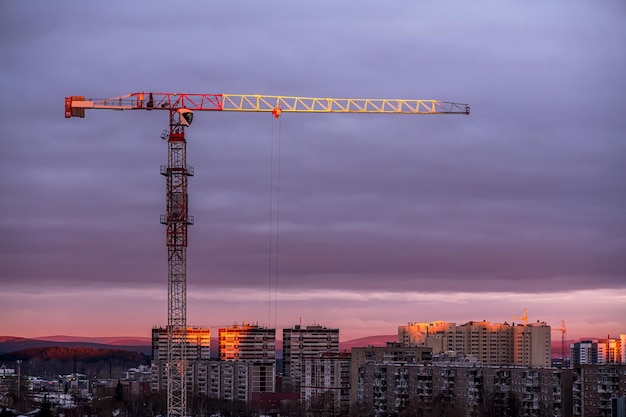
x=280, y=123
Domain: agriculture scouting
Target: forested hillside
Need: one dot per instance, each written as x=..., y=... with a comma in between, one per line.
x=65, y=360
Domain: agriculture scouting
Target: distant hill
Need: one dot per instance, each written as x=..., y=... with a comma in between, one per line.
x=557, y=345
x=367, y=341
x=109, y=340
x=143, y=344
x=135, y=344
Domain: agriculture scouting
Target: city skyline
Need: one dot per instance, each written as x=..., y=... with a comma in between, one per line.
x=383, y=219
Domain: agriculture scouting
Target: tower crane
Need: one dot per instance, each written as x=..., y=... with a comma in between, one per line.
x=177, y=219
x=562, y=330
x=523, y=317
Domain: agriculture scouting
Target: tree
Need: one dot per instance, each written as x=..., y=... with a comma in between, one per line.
x=323, y=405
x=119, y=392
x=292, y=408
x=46, y=408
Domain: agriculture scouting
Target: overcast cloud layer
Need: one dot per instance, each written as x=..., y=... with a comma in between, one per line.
x=380, y=219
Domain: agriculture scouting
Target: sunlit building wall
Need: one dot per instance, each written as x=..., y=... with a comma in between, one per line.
x=490, y=344
x=248, y=365
x=439, y=335
x=613, y=350
x=532, y=344
x=247, y=342
x=198, y=345
x=254, y=344
x=622, y=338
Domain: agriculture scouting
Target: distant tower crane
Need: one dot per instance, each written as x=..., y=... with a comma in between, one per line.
x=523, y=317
x=562, y=330
x=177, y=218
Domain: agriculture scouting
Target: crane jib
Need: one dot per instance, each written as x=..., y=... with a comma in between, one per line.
x=75, y=105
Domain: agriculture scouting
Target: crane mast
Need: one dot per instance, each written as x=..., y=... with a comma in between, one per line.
x=176, y=221
x=177, y=218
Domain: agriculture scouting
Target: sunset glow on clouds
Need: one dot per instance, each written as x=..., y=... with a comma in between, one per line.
x=383, y=219
x=358, y=314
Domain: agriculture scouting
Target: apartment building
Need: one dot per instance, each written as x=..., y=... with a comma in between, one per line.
x=532, y=344
x=198, y=343
x=599, y=390
x=248, y=361
x=391, y=353
x=325, y=383
x=593, y=351
x=197, y=348
x=300, y=343
x=613, y=350
x=584, y=352
x=247, y=342
x=462, y=389
x=490, y=344
x=256, y=345
x=233, y=380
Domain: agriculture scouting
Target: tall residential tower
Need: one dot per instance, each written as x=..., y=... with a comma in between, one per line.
x=305, y=343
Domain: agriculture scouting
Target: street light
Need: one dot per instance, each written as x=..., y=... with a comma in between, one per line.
x=19, y=380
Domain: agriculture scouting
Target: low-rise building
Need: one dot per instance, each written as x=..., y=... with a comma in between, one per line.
x=463, y=389
x=325, y=383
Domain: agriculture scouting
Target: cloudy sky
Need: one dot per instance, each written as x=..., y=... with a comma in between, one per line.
x=376, y=220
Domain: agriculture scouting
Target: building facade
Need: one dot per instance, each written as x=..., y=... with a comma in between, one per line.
x=532, y=344
x=247, y=365
x=300, y=343
x=585, y=352
x=256, y=345
x=391, y=353
x=599, y=390
x=247, y=342
x=462, y=389
x=325, y=383
x=490, y=344
x=613, y=350
x=198, y=346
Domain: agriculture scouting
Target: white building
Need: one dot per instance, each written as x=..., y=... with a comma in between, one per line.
x=325, y=382
x=305, y=343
